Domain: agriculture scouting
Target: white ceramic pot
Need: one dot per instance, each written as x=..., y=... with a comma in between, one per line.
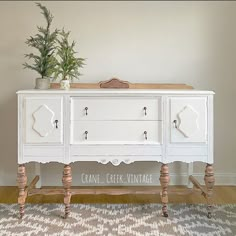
x=65, y=84
x=42, y=83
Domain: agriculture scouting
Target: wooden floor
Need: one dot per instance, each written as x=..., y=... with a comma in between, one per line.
x=177, y=194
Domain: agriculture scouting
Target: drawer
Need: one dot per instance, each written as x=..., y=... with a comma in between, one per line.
x=115, y=108
x=126, y=132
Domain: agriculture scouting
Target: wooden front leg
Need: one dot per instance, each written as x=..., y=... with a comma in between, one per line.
x=209, y=181
x=164, y=180
x=67, y=180
x=21, y=180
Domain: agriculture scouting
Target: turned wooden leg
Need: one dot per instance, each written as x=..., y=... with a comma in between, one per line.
x=209, y=181
x=67, y=180
x=21, y=180
x=164, y=180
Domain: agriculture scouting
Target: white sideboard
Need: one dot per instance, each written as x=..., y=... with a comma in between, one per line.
x=114, y=125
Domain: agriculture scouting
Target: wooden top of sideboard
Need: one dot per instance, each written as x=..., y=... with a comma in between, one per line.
x=120, y=84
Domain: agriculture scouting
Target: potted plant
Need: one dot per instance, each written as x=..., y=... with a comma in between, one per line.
x=68, y=65
x=44, y=42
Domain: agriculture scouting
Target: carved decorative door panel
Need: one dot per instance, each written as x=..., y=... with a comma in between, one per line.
x=188, y=119
x=43, y=120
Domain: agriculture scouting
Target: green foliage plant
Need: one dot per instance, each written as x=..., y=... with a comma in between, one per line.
x=44, y=42
x=68, y=65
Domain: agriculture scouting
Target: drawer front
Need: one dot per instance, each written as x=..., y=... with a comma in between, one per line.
x=115, y=108
x=111, y=132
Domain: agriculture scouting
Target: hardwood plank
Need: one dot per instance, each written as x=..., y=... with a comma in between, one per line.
x=177, y=194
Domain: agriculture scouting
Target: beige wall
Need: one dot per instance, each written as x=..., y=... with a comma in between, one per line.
x=182, y=42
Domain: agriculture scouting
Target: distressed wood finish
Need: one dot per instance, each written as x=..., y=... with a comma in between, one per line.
x=209, y=181
x=46, y=191
x=113, y=83
x=76, y=190
x=164, y=180
x=22, y=181
x=33, y=183
x=222, y=195
x=67, y=180
x=159, y=86
x=197, y=185
x=114, y=191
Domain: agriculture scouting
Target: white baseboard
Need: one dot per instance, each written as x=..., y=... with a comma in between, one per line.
x=225, y=179
x=175, y=179
x=228, y=179
x=220, y=178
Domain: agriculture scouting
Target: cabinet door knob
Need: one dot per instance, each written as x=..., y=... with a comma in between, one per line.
x=86, y=135
x=145, y=134
x=56, y=122
x=175, y=123
x=86, y=111
x=145, y=111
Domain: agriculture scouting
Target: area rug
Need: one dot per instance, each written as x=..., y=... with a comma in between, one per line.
x=117, y=219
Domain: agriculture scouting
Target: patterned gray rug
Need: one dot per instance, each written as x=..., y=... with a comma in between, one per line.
x=117, y=219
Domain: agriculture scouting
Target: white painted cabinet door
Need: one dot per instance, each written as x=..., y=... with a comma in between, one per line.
x=188, y=119
x=43, y=120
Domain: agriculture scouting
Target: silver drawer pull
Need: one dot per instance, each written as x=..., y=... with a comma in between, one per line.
x=145, y=111
x=145, y=134
x=86, y=111
x=86, y=135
